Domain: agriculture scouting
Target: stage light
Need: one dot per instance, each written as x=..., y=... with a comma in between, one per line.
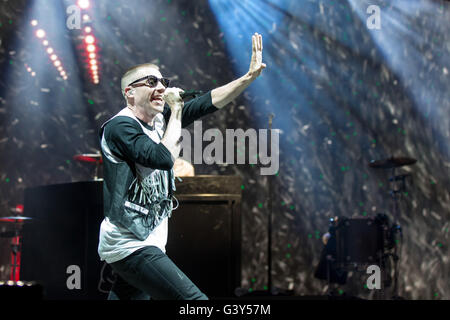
x=83, y=4
x=53, y=57
x=40, y=33
x=50, y=50
x=60, y=68
x=45, y=43
x=89, y=39
x=63, y=73
x=57, y=63
x=33, y=74
x=29, y=69
x=90, y=43
x=34, y=23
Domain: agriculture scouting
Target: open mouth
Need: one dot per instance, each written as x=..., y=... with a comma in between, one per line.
x=158, y=99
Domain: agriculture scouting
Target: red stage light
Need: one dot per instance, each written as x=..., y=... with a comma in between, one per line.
x=89, y=39
x=91, y=48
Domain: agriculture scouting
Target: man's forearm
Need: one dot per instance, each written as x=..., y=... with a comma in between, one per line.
x=222, y=96
x=171, y=139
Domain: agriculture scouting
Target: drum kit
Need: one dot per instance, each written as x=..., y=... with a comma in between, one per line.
x=11, y=227
x=360, y=242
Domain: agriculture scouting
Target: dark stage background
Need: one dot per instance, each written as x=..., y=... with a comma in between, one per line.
x=342, y=95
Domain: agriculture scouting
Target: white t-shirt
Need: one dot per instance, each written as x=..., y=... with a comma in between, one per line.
x=116, y=242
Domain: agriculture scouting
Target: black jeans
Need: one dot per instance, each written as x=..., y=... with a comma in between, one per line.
x=149, y=273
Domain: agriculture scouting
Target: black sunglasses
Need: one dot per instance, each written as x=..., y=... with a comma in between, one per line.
x=152, y=81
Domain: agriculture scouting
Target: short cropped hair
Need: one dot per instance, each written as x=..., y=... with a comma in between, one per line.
x=133, y=74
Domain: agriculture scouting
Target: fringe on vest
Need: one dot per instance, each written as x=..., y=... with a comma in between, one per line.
x=152, y=193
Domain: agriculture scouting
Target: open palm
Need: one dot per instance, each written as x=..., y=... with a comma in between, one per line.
x=256, y=64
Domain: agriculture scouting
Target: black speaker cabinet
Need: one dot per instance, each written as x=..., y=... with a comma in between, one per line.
x=205, y=233
x=61, y=241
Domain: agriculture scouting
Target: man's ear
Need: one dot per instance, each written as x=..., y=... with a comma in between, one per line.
x=129, y=92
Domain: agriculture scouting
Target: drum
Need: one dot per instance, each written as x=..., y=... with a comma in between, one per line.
x=359, y=241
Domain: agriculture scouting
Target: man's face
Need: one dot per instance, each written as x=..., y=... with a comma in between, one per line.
x=150, y=99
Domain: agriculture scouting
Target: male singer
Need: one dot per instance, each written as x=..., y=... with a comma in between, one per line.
x=139, y=146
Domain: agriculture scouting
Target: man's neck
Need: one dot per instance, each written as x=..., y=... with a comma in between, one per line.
x=142, y=115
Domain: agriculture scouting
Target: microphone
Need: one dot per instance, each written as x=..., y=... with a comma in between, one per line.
x=190, y=94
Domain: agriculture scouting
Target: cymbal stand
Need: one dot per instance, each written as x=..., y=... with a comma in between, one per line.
x=97, y=165
x=396, y=228
x=15, y=248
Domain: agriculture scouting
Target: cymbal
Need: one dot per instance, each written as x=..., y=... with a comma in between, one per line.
x=89, y=157
x=392, y=163
x=14, y=219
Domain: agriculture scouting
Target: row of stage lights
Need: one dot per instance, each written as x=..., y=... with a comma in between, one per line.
x=41, y=35
x=90, y=47
x=89, y=40
x=91, y=52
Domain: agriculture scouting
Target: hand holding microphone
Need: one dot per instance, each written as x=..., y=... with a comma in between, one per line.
x=172, y=96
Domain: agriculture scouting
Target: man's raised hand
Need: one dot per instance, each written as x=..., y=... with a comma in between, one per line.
x=256, y=64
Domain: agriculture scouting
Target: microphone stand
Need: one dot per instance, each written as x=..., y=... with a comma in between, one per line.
x=241, y=292
x=269, y=207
